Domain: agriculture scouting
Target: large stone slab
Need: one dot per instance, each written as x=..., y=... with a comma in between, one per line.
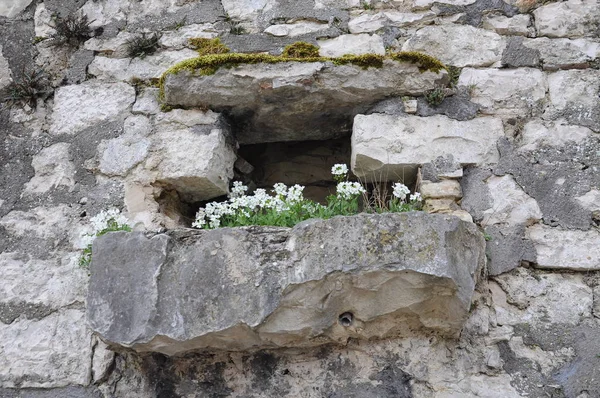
x=296, y=101
x=392, y=147
x=573, y=18
x=363, y=277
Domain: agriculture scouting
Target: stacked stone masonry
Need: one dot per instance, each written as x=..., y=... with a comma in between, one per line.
x=513, y=150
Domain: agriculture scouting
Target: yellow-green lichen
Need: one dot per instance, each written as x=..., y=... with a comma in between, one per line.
x=208, y=46
x=210, y=62
x=300, y=49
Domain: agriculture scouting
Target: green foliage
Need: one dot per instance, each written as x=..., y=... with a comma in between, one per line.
x=435, y=96
x=208, y=46
x=425, y=62
x=300, y=49
x=453, y=74
x=72, y=29
x=364, y=60
x=367, y=6
x=28, y=88
x=142, y=45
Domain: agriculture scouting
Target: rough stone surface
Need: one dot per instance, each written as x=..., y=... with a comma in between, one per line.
x=538, y=133
x=119, y=155
x=517, y=55
x=80, y=106
x=367, y=23
x=564, y=53
x=53, y=167
x=395, y=145
x=178, y=39
x=506, y=92
x=448, y=44
x=287, y=287
x=351, y=44
x=458, y=107
x=572, y=18
x=517, y=25
x=5, y=75
x=296, y=28
x=506, y=248
x=12, y=8
x=574, y=97
x=442, y=189
x=564, y=249
x=510, y=205
x=296, y=101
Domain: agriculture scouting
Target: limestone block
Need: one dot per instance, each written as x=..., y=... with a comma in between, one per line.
x=197, y=160
x=41, y=222
x=547, y=298
x=352, y=44
x=574, y=97
x=458, y=45
x=101, y=13
x=442, y=189
x=316, y=283
x=572, y=18
x=590, y=200
x=295, y=29
x=517, y=25
x=405, y=19
x=564, y=53
x=320, y=110
x=150, y=67
x=178, y=39
x=538, y=133
x=77, y=107
x=565, y=249
x=147, y=102
x=395, y=145
x=368, y=23
x=43, y=21
x=12, y=8
x=247, y=10
x=121, y=154
x=5, y=77
x=424, y=4
x=32, y=287
x=508, y=92
x=510, y=204
x=53, y=167
x=114, y=47
x=51, y=352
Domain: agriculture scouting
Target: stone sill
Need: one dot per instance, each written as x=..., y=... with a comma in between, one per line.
x=323, y=281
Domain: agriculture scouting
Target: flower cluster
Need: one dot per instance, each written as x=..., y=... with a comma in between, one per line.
x=348, y=190
x=400, y=190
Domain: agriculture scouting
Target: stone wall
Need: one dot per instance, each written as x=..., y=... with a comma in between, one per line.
x=514, y=147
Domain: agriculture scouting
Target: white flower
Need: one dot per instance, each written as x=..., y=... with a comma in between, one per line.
x=416, y=197
x=200, y=219
x=339, y=169
x=400, y=190
x=347, y=190
x=102, y=220
x=294, y=194
x=280, y=189
x=238, y=189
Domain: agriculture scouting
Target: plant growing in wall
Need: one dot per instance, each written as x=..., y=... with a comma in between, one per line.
x=72, y=29
x=142, y=45
x=106, y=221
x=286, y=206
x=27, y=88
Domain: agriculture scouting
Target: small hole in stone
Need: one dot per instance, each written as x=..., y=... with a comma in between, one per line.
x=346, y=319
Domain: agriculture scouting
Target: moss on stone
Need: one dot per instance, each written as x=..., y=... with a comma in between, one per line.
x=300, y=49
x=208, y=63
x=208, y=46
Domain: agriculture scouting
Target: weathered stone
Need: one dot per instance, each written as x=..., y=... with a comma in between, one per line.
x=396, y=145
x=516, y=55
x=540, y=298
x=295, y=100
x=565, y=249
x=247, y=9
x=12, y=8
x=178, y=39
x=197, y=160
x=296, y=29
x=574, y=97
x=564, y=53
x=102, y=360
x=121, y=154
x=457, y=107
x=51, y=352
x=506, y=92
x=424, y=4
x=517, y=25
x=78, y=64
x=114, y=47
x=351, y=44
x=53, y=167
x=442, y=189
x=150, y=67
x=281, y=287
x=79, y=106
x=590, y=200
x=448, y=44
x=368, y=23
x=539, y=133
x=442, y=168
x=147, y=102
x=510, y=205
x=43, y=21
x=572, y=18
x=506, y=248
x=5, y=77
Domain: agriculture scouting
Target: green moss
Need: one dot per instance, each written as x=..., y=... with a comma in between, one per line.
x=425, y=62
x=208, y=46
x=300, y=49
x=215, y=55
